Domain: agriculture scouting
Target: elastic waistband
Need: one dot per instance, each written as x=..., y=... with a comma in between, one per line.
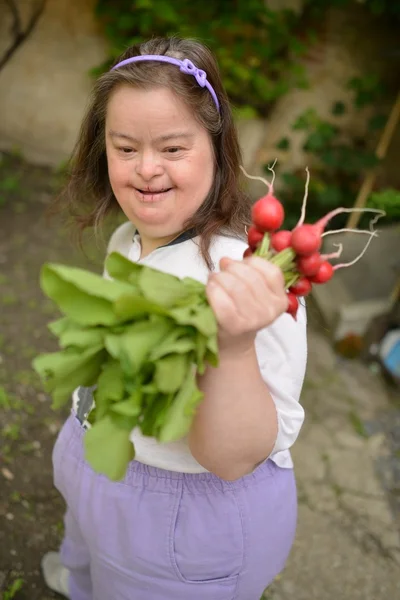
x=142, y=475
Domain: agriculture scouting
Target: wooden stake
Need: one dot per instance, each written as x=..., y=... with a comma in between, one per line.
x=381, y=150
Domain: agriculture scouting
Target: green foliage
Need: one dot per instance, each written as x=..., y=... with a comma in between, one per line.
x=387, y=200
x=13, y=588
x=337, y=163
x=257, y=49
x=141, y=338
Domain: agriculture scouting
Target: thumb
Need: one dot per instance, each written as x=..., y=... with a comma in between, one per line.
x=225, y=262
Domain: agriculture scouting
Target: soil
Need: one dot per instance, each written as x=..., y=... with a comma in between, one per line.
x=31, y=510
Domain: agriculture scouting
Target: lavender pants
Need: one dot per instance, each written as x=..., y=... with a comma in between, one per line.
x=161, y=535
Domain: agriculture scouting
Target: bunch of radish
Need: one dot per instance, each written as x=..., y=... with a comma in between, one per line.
x=297, y=252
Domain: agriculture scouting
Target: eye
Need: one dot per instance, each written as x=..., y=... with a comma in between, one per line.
x=126, y=150
x=173, y=149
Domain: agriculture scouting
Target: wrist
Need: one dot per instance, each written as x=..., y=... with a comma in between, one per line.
x=238, y=347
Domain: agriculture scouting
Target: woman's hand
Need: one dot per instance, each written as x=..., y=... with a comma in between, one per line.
x=246, y=296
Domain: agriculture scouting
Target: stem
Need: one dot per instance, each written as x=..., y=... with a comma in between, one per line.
x=257, y=178
x=263, y=248
x=284, y=259
x=303, y=206
x=372, y=234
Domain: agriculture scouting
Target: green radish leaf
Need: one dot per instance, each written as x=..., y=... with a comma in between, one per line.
x=154, y=413
x=62, y=372
x=179, y=341
x=110, y=387
x=195, y=286
x=130, y=407
x=202, y=318
x=212, y=344
x=179, y=416
x=83, y=296
x=135, y=306
x=121, y=268
x=201, y=348
x=171, y=371
x=211, y=358
x=60, y=325
x=138, y=340
x=163, y=288
x=82, y=337
x=108, y=449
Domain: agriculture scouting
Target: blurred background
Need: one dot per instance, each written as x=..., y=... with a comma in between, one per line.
x=313, y=84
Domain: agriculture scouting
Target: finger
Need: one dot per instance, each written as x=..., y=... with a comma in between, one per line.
x=222, y=304
x=237, y=287
x=256, y=283
x=271, y=272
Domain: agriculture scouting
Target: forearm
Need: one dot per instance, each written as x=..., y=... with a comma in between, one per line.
x=236, y=424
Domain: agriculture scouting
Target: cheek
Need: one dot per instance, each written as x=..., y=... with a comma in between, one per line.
x=118, y=172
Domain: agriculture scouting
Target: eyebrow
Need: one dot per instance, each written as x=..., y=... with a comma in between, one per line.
x=162, y=138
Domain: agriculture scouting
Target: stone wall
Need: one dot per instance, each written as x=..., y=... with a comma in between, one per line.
x=45, y=85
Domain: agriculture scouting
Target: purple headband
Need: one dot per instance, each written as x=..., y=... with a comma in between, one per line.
x=186, y=66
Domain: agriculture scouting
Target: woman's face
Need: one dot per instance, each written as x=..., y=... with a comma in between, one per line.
x=160, y=160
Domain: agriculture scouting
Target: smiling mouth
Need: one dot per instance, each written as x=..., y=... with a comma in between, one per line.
x=153, y=192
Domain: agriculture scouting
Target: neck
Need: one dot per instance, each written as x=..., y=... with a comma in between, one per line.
x=150, y=244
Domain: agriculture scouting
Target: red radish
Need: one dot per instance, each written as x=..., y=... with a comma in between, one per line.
x=302, y=287
x=280, y=240
x=293, y=305
x=254, y=237
x=309, y=265
x=247, y=252
x=324, y=274
x=306, y=239
x=267, y=213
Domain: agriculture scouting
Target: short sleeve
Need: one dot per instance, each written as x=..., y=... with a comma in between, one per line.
x=282, y=355
x=120, y=241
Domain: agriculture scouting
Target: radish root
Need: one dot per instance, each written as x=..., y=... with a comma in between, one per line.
x=331, y=232
x=371, y=234
x=258, y=178
x=273, y=175
x=333, y=254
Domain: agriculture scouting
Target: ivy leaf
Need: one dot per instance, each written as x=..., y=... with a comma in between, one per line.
x=377, y=122
x=339, y=108
x=283, y=144
x=108, y=449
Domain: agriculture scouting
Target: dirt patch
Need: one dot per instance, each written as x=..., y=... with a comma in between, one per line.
x=31, y=510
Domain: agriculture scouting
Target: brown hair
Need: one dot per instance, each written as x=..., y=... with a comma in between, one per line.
x=226, y=207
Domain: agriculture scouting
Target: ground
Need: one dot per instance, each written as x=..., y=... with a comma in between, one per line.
x=347, y=458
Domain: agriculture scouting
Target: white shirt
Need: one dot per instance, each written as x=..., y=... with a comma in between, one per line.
x=281, y=350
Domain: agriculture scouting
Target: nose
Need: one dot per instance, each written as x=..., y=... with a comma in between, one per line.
x=148, y=166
